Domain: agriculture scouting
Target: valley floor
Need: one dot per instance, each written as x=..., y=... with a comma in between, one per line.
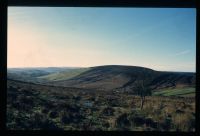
x=31, y=106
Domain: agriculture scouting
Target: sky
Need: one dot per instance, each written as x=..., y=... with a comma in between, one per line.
x=163, y=39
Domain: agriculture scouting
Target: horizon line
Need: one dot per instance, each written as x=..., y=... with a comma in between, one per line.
x=98, y=66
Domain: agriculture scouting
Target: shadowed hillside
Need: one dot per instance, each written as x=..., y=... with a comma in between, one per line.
x=124, y=78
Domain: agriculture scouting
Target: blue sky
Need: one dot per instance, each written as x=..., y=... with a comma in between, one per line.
x=161, y=39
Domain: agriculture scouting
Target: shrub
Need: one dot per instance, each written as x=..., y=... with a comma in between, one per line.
x=66, y=118
x=41, y=122
x=150, y=123
x=45, y=110
x=106, y=124
x=122, y=121
x=72, y=108
x=184, y=122
x=77, y=117
x=166, y=124
x=77, y=98
x=50, y=125
x=53, y=114
x=108, y=111
x=138, y=120
x=27, y=100
x=178, y=111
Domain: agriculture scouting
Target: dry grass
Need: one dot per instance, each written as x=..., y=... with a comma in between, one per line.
x=45, y=107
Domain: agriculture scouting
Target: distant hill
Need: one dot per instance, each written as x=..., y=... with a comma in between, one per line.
x=32, y=74
x=63, y=75
x=123, y=78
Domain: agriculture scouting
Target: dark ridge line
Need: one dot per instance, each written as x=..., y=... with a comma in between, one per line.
x=62, y=87
x=22, y=81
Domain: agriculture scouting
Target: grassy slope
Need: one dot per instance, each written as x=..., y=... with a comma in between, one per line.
x=189, y=91
x=64, y=75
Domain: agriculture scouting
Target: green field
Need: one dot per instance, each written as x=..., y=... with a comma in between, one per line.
x=64, y=75
x=184, y=92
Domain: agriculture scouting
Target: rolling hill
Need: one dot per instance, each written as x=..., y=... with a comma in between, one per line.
x=63, y=75
x=87, y=99
x=32, y=74
x=123, y=78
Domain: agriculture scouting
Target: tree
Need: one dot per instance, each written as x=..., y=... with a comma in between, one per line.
x=142, y=89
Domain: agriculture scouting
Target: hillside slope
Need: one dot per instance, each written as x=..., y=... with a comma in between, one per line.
x=32, y=74
x=63, y=75
x=124, y=77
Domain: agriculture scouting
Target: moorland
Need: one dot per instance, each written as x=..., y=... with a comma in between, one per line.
x=100, y=98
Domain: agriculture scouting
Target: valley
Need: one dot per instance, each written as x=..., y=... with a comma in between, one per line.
x=100, y=98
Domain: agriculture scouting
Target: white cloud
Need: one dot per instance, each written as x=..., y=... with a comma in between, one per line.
x=181, y=53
